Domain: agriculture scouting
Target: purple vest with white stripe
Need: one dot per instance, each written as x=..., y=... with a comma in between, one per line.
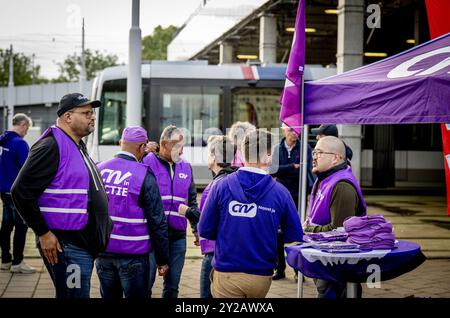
x=123, y=181
x=321, y=198
x=64, y=203
x=173, y=192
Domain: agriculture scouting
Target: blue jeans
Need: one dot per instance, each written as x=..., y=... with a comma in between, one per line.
x=177, y=254
x=10, y=220
x=205, y=280
x=123, y=276
x=71, y=276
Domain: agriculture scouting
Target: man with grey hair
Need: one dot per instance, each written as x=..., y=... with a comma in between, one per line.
x=179, y=196
x=13, y=153
x=242, y=214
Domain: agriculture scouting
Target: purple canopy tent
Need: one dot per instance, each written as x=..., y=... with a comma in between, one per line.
x=408, y=88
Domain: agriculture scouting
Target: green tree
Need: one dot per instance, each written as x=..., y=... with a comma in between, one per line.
x=69, y=70
x=154, y=46
x=23, y=69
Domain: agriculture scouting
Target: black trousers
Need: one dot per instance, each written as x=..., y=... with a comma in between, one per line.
x=10, y=220
x=281, y=261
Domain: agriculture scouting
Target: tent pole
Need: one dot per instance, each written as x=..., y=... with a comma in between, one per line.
x=301, y=207
x=302, y=180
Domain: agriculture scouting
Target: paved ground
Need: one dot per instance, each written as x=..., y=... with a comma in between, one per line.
x=419, y=219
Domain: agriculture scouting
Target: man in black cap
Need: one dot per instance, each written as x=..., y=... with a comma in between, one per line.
x=60, y=195
x=331, y=130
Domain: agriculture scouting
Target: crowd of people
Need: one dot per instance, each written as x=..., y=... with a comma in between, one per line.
x=128, y=216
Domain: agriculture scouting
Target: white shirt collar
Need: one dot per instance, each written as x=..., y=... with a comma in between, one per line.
x=126, y=153
x=254, y=170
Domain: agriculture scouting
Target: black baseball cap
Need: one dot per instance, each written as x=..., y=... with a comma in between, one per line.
x=327, y=130
x=74, y=100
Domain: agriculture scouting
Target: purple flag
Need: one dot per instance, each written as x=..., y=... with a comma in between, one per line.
x=290, y=112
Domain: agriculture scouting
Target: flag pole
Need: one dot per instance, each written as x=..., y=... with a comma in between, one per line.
x=302, y=178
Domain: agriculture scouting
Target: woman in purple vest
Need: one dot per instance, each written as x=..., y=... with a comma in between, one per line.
x=220, y=154
x=60, y=195
x=335, y=196
x=179, y=197
x=139, y=224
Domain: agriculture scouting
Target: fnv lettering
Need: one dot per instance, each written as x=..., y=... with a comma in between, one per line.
x=117, y=175
x=247, y=210
x=115, y=182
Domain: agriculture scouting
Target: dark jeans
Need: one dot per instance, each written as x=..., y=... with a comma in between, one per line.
x=120, y=277
x=205, y=272
x=10, y=220
x=71, y=276
x=177, y=254
x=327, y=289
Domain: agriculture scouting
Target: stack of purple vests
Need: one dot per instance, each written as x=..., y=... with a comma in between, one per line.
x=370, y=231
x=330, y=236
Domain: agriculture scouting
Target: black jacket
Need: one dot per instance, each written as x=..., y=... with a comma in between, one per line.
x=37, y=173
x=286, y=173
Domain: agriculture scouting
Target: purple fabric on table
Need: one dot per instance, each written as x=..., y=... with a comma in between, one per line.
x=326, y=236
x=356, y=223
x=374, y=239
x=406, y=257
x=371, y=231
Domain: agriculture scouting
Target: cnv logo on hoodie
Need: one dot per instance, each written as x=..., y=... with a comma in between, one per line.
x=182, y=175
x=247, y=210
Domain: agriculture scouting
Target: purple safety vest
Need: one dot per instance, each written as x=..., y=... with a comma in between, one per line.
x=64, y=203
x=320, y=200
x=208, y=246
x=173, y=192
x=123, y=181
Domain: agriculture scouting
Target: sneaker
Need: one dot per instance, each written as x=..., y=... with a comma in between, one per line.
x=23, y=268
x=6, y=266
x=278, y=275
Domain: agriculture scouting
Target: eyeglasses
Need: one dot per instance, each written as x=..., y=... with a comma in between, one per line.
x=318, y=154
x=88, y=114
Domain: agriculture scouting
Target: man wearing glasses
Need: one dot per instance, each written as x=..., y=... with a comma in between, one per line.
x=59, y=193
x=335, y=196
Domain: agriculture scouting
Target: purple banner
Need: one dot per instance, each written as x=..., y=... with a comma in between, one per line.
x=410, y=87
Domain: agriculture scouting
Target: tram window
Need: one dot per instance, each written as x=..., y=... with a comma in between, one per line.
x=258, y=106
x=112, y=115
x=195, y=109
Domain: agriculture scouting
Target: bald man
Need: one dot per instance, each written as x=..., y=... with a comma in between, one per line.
x=335, y=196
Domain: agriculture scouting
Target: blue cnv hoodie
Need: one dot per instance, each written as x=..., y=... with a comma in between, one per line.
x=13, y=153
x=242, y=213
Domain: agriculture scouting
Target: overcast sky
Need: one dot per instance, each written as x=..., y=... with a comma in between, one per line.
x=52, y=28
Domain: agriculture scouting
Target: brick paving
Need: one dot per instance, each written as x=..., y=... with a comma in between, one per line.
x=419, y=219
